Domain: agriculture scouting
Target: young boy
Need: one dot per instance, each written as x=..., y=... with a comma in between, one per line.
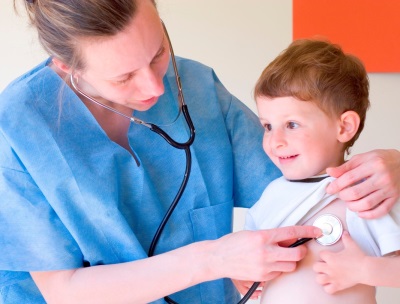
x=312, y=101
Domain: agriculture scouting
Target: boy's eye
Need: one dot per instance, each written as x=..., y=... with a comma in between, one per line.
x=267, y=127
x=292, y=125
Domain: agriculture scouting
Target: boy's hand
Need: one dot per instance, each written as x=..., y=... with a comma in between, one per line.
x=343, y=269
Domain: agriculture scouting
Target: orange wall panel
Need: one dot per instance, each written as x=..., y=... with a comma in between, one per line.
x=369, y=29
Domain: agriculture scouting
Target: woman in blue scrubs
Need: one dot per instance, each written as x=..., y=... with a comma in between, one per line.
x=83, y=190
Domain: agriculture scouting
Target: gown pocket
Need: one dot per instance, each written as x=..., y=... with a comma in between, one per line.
x=210, y=223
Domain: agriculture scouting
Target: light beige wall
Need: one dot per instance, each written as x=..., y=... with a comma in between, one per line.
x=237, y=38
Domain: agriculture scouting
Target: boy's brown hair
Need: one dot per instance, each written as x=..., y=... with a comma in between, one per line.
x=320, y=72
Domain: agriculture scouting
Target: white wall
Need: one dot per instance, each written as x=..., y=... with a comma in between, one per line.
x=237, y=38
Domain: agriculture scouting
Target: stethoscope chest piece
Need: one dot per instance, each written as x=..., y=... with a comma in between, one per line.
x=331, y=227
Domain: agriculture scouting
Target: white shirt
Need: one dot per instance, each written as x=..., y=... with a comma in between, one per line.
x=287, y=203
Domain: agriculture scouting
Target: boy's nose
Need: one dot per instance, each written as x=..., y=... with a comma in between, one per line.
x=277, y=138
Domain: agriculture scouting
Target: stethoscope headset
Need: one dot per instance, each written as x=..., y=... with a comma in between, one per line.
x=178, y=145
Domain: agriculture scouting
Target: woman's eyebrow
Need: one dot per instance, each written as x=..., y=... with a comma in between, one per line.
x=160, y=50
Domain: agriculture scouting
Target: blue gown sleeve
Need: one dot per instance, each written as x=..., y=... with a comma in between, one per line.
x=32, y=236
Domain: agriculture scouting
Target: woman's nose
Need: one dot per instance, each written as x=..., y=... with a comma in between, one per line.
x=152, y=83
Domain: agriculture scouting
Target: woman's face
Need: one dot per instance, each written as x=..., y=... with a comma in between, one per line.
x=127, y=69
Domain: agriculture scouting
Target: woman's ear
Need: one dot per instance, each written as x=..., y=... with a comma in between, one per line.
x=61, y=66
x=349, y=122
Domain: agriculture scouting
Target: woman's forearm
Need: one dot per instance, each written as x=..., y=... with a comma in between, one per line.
x=244, y=255
x=140, y=281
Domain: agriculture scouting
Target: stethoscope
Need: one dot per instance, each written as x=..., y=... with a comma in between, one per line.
x=329, y=224
x=332, y=230
x=178, y=145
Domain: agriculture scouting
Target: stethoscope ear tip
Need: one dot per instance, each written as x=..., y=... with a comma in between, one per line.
x=332, y=229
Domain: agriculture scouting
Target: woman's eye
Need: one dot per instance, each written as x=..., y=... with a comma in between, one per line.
x=292, y=125
x=123, y=81
x=159, y=55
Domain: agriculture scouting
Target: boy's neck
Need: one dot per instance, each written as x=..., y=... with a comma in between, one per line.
x=312, y=179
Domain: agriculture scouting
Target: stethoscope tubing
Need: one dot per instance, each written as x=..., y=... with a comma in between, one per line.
x=255, y=285
x=174, y=203
x=168, y=139
x=182, y=146
x=157, y=235
x=178, y=145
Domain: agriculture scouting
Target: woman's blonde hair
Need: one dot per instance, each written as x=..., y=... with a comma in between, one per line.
x=62, y=23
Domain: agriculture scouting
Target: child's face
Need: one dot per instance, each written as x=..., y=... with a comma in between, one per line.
x=299, y=137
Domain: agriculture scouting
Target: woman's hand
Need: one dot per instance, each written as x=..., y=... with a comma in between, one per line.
x=369, y=183
x=257, y=256
x=244, y=286
x=340, y=270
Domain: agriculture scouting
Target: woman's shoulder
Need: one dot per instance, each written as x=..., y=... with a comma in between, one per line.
x=192, y=67
x=27, y=88
x=22, y=83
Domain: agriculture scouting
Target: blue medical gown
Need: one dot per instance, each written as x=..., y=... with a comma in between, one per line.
x=70, y=196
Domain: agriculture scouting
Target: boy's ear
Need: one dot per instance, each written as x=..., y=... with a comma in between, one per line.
x=349, y=122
